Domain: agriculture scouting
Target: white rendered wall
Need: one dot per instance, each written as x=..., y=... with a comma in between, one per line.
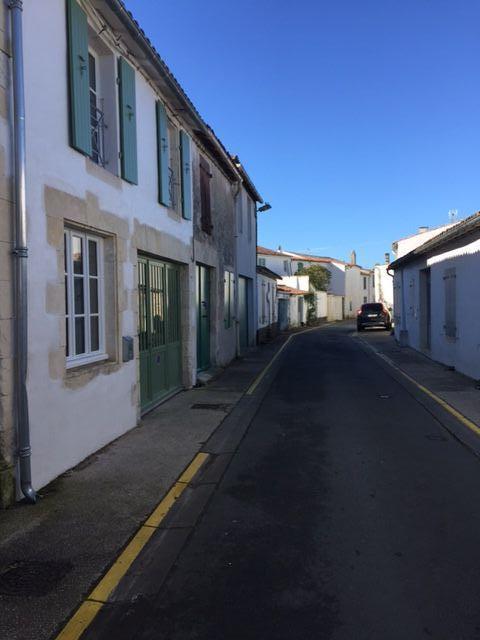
x=302, y=283
x=266, y=301
x=68, y=424
x=334, y=308
x=405, y=245
x=355, y=291
x=276, y=264
x=383, y=285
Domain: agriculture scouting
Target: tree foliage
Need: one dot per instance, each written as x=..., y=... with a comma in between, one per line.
x=319, y=276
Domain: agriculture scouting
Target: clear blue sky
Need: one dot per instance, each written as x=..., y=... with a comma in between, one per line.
x=358, y=120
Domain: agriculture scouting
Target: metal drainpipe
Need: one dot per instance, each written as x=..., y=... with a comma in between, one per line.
x=236, y=195
x=20, y=254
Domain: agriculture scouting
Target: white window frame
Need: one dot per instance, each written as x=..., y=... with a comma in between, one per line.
x=100, y=354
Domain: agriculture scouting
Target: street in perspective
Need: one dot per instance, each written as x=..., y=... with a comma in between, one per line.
x=239, y=335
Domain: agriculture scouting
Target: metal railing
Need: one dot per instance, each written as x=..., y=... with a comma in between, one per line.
x=98, y=126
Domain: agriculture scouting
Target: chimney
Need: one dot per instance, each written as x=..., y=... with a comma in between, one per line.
x=353, y=257
x=422, y=229
x=387, y=258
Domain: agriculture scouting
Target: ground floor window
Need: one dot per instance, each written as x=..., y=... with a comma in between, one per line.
x=84, y=298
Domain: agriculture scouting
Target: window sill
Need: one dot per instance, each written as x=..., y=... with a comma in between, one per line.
x=83, y=363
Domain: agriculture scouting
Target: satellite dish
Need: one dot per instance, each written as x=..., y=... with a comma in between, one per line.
x=453, y=215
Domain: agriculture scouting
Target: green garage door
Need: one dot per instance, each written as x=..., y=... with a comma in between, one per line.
x=159, y=330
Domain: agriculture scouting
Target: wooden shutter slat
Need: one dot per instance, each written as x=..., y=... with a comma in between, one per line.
x=128, y=121
x=163, y=151
x=79, y=82
x=186, y=175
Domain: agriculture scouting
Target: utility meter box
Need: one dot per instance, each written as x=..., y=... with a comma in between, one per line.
x=127, y=348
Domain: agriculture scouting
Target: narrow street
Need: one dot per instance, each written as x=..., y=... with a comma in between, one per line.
x=347, y=512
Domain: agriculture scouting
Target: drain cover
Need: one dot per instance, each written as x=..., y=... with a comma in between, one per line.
x=212, y=407
x=32, y=578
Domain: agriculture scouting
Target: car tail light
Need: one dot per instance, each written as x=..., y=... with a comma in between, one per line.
x=359, y=311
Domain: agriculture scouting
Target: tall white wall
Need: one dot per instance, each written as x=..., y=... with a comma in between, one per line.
x=383, y=283
x=356, y=293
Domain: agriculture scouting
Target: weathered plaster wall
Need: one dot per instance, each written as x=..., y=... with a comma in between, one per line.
x=246, y=251
x=7, y=427
x=216, y=250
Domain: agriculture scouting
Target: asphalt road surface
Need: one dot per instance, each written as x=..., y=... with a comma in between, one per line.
x=347, y=512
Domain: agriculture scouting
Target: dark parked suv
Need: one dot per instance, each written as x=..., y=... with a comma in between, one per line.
x=373, y=314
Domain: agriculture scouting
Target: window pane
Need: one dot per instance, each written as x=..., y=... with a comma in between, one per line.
x=92, y=258
x=67, y=348
x=93, y=295
x=79, y=335
x=77, y=254
x=78, y=293
x=94, y=334
x=92, y=72
x=66, y=296
x=65, y=255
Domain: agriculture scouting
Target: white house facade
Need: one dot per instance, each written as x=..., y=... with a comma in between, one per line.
x=121, y=174
x=437, y=300
x=267, y=304
x=383, y=283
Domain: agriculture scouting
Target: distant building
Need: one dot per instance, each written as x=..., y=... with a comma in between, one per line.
x=383, y=283
x=267, y=304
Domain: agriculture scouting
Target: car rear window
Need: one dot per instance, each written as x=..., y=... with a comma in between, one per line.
x=372, y=308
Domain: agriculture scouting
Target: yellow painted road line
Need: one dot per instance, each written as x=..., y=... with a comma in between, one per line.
x=121, y=565
x=165, y=505
x=443, y=403
x=193, y=467
x=259, y=378
x=80, y=621
x=86, y=613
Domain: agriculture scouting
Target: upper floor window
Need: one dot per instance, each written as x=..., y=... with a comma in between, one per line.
x=102, y=98
x=299, y=266
x=364, y=282
x=261, y=262
x=84, y=298
x=174, y=175
x=205, y=205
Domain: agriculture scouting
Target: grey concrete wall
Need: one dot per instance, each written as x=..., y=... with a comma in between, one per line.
x=216, y=250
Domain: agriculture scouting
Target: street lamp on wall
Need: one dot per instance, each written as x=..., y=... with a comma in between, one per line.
x=265, y=207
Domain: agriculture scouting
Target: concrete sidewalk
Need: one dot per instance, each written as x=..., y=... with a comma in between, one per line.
x=51, y=554
x=459, y=391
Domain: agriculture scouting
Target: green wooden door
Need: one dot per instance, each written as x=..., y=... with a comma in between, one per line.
x=203, y=317
x=243, y=311
x=159, y=330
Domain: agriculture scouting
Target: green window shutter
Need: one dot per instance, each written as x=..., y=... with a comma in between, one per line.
x=128, y=121
x=163, y=155
x=186, y=175
x=79, y=84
